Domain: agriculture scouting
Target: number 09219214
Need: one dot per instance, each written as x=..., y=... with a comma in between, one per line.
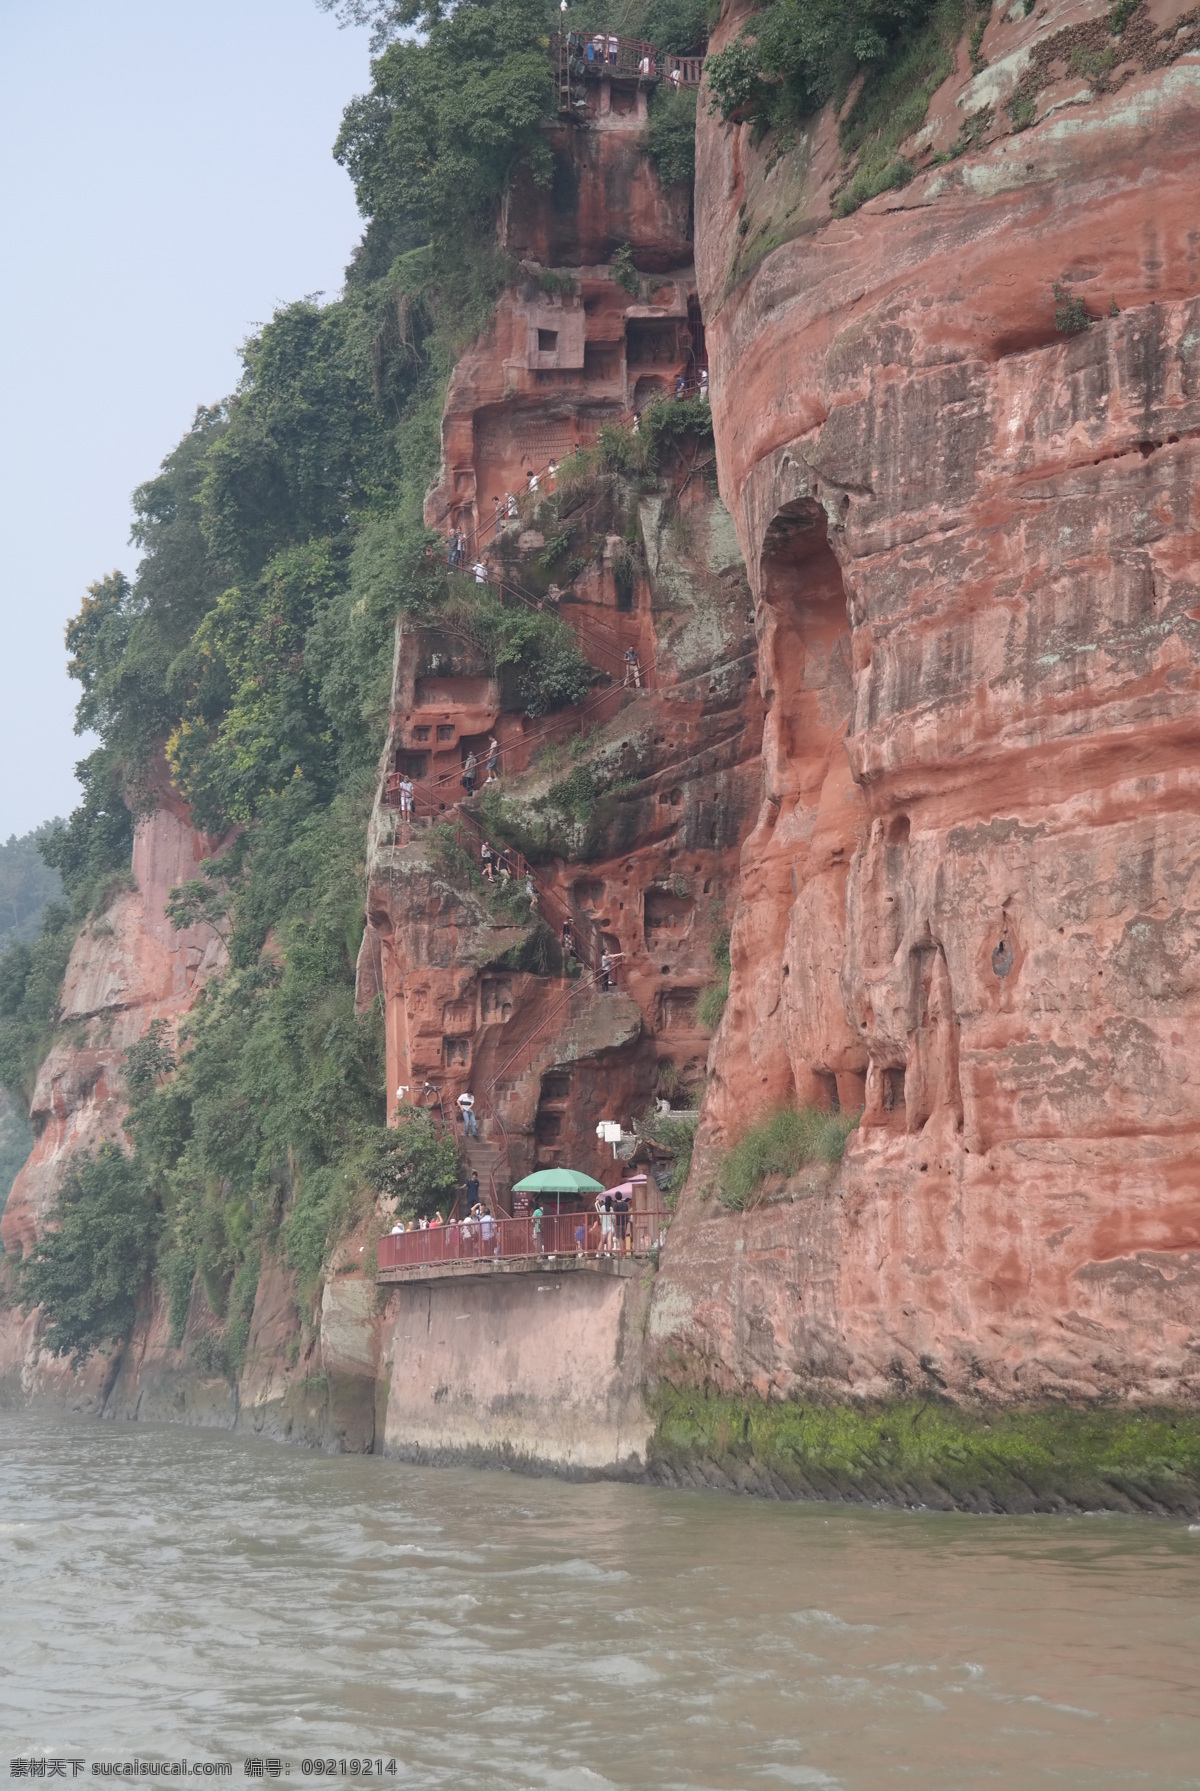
x=350, y=1768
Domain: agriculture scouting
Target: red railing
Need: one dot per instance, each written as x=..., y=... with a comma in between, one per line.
x=490, y=1240
x=683, y=71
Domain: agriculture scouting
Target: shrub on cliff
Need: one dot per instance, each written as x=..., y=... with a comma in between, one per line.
x=781, y=1144
x=90, y=1268
x=30, y=980
x=416, y=1163
x=795, y=55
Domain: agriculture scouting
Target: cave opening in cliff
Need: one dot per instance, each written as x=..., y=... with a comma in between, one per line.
x=806, y=654
x=807, y=648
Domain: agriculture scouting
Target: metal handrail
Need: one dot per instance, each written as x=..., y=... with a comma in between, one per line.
x=471, y=1243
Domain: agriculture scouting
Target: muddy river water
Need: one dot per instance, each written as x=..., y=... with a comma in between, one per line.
x=170, y=1594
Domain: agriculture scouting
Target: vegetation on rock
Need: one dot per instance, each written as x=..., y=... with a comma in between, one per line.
x=924, y=1450
x=88, y=1269
x=253, y=647
x=781, y=1144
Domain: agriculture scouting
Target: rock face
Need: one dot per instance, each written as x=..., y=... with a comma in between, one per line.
x=920, y=721
x=969, y=904
x=129, y=967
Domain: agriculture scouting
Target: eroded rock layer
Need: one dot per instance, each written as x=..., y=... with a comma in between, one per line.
x=969, y=904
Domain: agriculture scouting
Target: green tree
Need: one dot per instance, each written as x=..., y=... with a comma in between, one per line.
x=450, y=117
x=90, y=1267
x=415, y=1162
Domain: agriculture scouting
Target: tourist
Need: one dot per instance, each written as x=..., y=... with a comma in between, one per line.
x=488, y=1232
x=504, y=865
x=406, y=798
x=551, y=473
x=614, y=51
x=470, y=767
x=480, y=571
x=537, y=1229
x=485, y=855
x=398, y=1227
x=581, y=1235
x=530, y=888
x=510, y=504
x=681, y=386
x=493, y=757
x=645, y=66
x=466, y=1106
x=633, y=668
x=604, y=1207
x=533, y=484
x=472, y=1188
x=704, y=383
x=568, y=940
x=591, y=54
x=496, y=514
x=676, y=77
x=621, y=1206
x=608, y=963
x=422, y=1224
x=436, y=1221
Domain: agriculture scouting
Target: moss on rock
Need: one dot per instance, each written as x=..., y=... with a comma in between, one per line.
x=931, y=1452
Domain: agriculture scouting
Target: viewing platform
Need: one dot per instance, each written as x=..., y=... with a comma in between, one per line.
x=581, y=56
x=491, y=1245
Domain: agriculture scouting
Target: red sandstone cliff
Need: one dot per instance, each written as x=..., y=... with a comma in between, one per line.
x=969, y=900
x=128, y=967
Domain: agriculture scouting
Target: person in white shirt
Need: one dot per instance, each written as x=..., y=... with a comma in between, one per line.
x=466, y=1106
x=406, y=798
x=480, y=571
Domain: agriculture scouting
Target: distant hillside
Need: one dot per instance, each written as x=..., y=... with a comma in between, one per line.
x=26, y=885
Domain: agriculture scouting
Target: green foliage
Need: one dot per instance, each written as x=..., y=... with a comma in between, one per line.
x=622, y=269
x=781, y=1144
x=670, y=135
x=575, y=795
x=677, y=1134
x=538, y=657
x=178, y=1274
x=796, y=54
x=27, y=884
x=1022, y=111
x=16, y=1142
x=450, y=118
x=893, y=102
x=306, y=444
x=96, y=844
x=88, y=1270
x=151, y=1060
x=711, y=1005
x=415, y=1162
x=1071, y=315
x=919, y=1450
x=1119, y=17
x=30, y=980
x=241, y=1309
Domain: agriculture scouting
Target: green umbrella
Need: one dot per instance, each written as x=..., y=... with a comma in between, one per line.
x=558, y=1181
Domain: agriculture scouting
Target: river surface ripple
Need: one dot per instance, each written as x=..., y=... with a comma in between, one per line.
x=187, y=1593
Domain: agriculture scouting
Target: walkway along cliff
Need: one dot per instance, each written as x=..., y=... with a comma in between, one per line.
x=916, y=730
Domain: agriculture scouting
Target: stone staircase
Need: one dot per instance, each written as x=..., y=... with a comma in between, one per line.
x=485, y=1156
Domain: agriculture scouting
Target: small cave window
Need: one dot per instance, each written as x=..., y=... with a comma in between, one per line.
x=547, y=341
x=420, y=733
x=893, y=1090
x=445, y=730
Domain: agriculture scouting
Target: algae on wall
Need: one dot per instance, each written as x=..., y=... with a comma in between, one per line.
x=929, y=1451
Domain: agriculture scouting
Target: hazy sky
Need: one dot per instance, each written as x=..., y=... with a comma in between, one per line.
x=165, y=182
